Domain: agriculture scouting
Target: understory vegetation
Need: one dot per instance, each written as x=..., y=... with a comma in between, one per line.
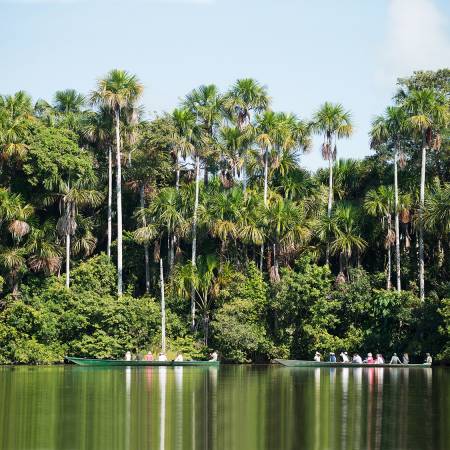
x=260, y=258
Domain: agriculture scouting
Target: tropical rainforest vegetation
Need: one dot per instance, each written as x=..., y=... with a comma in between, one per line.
x=260, y=258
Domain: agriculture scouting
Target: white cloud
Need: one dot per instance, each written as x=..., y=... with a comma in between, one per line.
x=417, y=38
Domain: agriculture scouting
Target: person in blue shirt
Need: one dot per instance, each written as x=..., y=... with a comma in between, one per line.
x=332, y=357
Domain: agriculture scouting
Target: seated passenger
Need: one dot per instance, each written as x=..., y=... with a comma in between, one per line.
x=162, y=357
x=428, y=359
x=128, y=356
x=357, y=359
x=179, y=357
x=317, y=357
x=369, y=359
x=405, y=358
x=395, y=359
x=332, y=357
x=214, y=356
x=148, y=356
x=379, y=359
x=344, y=356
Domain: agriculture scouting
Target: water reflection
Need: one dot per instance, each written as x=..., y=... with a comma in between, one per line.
x=233, y=407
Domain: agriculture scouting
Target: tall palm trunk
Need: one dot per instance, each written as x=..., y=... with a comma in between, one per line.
x=119, y=206
x=67, y=260
x=266, y=173
x=397, y=225
x=163, y=307
x=194, y=235
x=110, y=188
x=421, y=211
x=330, y=195
x=146, y=250
x=389, y=254
x=177, y=179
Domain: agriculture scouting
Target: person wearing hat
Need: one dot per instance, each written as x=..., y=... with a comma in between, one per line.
x=344, y=356
x=395, y=359
x=332, y=357
x=317, y=357
x=369, y=359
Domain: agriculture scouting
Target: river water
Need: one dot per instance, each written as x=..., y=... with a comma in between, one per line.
x=231, y=407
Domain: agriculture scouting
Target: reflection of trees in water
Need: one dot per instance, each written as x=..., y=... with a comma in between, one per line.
x=233, y=407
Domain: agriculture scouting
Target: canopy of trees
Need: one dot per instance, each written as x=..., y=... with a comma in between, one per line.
x=261, y=258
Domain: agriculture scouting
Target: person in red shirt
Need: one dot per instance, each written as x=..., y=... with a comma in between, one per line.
x=369, y=359
x=148, y=356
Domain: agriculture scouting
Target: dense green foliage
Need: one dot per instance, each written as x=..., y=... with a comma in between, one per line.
x=261, y=258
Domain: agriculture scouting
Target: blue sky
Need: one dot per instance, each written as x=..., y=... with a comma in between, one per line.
x=306, y=52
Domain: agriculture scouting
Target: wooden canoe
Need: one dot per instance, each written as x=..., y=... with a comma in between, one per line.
x=300, y=363
x=138, y=363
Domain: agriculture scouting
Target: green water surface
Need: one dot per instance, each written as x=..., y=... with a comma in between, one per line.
x=231, y=407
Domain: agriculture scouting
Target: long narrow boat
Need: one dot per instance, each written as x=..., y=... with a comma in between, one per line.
x=122, y=362
x=300, y=363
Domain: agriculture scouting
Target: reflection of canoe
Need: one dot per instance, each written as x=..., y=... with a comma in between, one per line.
x=122, y=362
x=300, y=363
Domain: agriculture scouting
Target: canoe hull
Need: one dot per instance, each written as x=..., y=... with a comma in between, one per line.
x=300, y=363
x=123, y=363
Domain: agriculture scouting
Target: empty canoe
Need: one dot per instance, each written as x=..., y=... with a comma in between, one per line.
x=122, y=362
x=300, y=363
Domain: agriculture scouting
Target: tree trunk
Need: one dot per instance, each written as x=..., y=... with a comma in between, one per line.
x=163, y=307
x=421, y=211
x=171, y=251
x=110, y=188
x=177, y=179
x=330, y=198
x=67, y=260
x=266, y=171
x=388, y=269
x=206, y=329
x=194, y=235
x=276, y=263
x=119, y=206
x=146, y=250
x=389, y=262
x=397, y=225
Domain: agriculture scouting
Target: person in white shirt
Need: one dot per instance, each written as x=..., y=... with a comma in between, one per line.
x=214, y=355
x=317, y=357
x=379, y=359
x=344, y=357
x=162, y=357
x=179, y=357
x=428, y=359
x=357, y=359
x=128, y=356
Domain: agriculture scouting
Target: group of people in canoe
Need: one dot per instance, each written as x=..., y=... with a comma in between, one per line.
x=163, y=357
x=370, y=359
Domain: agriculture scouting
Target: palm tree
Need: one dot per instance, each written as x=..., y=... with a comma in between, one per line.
x=45, y=252
x=428, y=114
x=117, y=91
x=205, y=103
x=72, y=197
x=286, y=229
x=15, y=214
x=15, y=118
x=333, y=122
x=69, y=101
x=379, y=202
x=245, y=97
x=390, y=129
x=347, y=236
x=166, y=212
x=437, y=214
x=181, y=138
x=98, y=129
